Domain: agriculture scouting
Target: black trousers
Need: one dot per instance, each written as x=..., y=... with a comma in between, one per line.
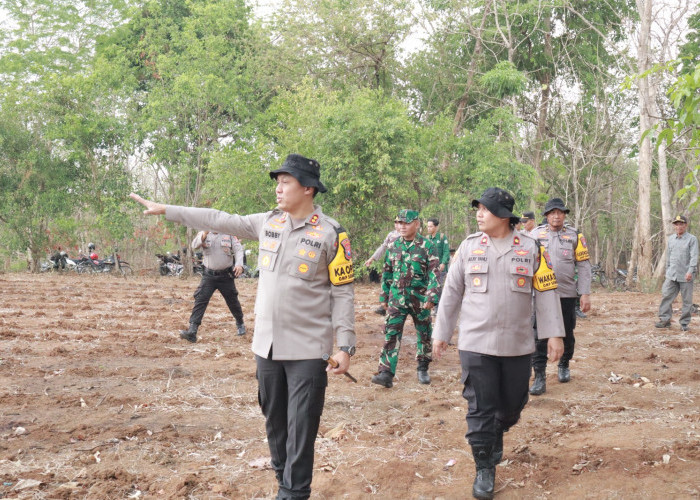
x=291, y=395
x=226, y=285
x=496, y=389
x=539, y=357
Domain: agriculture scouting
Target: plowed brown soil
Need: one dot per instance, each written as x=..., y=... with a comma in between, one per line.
x=99, y=398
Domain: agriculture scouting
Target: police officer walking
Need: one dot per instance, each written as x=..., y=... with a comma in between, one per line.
x=219, y=273
x=569, y=253
x=681, y=267
x=409, y=287
x=490, y=290
x=305, y=296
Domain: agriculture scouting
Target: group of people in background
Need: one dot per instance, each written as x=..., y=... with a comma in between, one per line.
x=510, y=292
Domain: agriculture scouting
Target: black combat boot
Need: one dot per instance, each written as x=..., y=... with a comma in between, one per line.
x=564, y=373
x=384, y=378
x=241, y=328
x=539, y=386
x=190, y=334
x=485, y=471
x=423, y=375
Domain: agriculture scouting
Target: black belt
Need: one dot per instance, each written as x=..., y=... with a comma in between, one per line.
x=212, y=272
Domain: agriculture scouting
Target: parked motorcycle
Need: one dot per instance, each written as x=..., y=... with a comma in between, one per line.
x=169, y=265
x=113, y=263
x=58, y=261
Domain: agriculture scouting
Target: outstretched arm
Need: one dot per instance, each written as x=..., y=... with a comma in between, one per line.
x=152, y=208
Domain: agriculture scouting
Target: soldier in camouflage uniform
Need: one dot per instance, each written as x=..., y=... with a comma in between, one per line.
x=442, y=250
x=409, y=287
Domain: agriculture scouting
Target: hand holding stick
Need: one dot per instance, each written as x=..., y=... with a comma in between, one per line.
x=334, y=364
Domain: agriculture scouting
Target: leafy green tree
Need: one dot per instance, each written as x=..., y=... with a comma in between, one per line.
x=35, y=183
x=338, y=43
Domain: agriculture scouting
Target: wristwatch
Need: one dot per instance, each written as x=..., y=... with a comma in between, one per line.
x=349, y=350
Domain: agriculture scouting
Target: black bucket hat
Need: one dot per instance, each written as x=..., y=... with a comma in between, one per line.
x=499, y=202
x=305, y=170
x=554, y=203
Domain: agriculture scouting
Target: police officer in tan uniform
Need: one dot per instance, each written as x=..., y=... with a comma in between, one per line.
x=220, y=269
x=489, y=288
x=569, y=253
x=305, y=297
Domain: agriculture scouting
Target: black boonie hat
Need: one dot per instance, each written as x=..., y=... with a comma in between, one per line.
x=499, y=202
x=682, y=219
x=554, y=203
x=305, y=170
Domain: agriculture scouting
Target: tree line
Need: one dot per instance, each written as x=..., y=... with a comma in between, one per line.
x=405, y=103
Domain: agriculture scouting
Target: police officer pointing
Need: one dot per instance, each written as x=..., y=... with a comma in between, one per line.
x=305, y=296
x=569, y=253
x=219, y=272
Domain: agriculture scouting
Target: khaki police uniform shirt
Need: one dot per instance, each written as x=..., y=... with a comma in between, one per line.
x=681, y=257
x=219, y=250
x=297, y=308
x=569, y=253
x=492, y=296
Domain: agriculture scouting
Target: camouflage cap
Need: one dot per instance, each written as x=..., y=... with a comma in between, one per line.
x=407, y=215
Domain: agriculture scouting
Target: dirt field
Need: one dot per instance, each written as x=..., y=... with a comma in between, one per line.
x=99, y=398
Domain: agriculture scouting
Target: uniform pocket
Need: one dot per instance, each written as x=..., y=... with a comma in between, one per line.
x=303, y=269
x=521, y=277
x=476, y=276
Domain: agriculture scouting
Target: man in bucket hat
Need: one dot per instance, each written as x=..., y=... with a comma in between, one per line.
x=681, y=267
x=488, y=294
x=569, y=253
x=409, y=287
x=305, y=297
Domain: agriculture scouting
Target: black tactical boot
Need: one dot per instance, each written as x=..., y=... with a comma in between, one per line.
x=423, y=375
x=539, y=386
x=485, y=471
x=564, y=374
x=241, y=328
x=384, y=378
x=190, y=334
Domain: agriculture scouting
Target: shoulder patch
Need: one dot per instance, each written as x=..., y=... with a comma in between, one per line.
x=581, y=252
x=340, y=270
x=544, y=278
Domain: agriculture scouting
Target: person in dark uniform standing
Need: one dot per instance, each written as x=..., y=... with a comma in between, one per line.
x=220, y=271
x=489, y=289
x=305, y=297
x=569, y=253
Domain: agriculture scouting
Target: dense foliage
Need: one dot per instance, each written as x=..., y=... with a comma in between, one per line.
x=419, y=104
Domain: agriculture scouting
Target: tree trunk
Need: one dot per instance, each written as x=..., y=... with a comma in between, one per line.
x=666, y=211
x=642, y=250
x=545, y=94
x=471, y=72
